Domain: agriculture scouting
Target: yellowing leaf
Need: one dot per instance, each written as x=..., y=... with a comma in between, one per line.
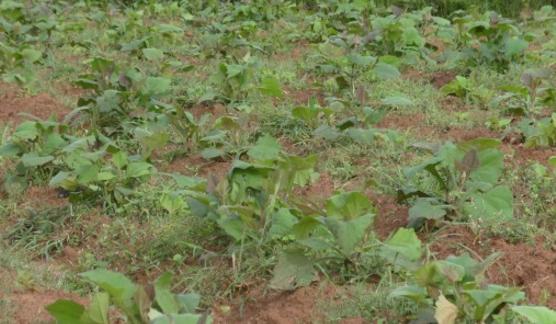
x=446, y=312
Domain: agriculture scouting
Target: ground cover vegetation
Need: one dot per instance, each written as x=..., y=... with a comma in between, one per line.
x=277, y=161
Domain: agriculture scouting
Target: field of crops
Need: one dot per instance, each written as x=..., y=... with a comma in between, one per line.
x=277, y=161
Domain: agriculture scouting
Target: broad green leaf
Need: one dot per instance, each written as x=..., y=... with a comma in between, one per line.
x=98, y=309
x=491, y=166
x=271, y=87
x=422, y=210
x=403, y=248
x=163, y=296
x=496, y=203
x=87, y=174
x=305, y=227
x=212, y=153
x=294, y=269
x=515, y=46
x=139, y=169
x=153, y=54
x=362, y=136
x=64, y=180
x=53, y=142
x=172, y=202
x=536, y=314
x=66, y=311
x=119, y=287
x=32, y=159
x=416, y=293
x=397, y=101
x=188, y=302
x=120, y=159
x=9, y=150
x=386, y=71
x=327, y=132
x=26, y=131
x=348, y=205
x=181, y=319
x=361, y=60
x=306, y=114
x=157, y=86
x=30, y=55
x=349, y=233
x=282, y=223
x=267, y=148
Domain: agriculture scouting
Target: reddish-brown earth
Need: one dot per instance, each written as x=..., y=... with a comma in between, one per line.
x=29, y=307
x=390, y=215
x=13, y=103
x=530, y=266
x=299, y=306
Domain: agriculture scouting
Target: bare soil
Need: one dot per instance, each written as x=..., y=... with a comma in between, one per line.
x=29, y=306
x=13, y=102
x=299, y=306
x=530, y=266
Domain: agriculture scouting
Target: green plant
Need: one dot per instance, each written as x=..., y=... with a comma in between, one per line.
x=463, y=181
x=454, y=286
x=91, y=174
x=490, y=40
x=235, y=79
x=35, y=147
x=132, y=300
x=333, y=238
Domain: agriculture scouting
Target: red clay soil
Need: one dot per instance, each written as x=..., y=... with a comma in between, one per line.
x=402, y=121
x=441, y=78
x=299, y=306
x=13, y=102
x=41, y=196
x=390, y=215
x=531, y=267
x=303, y=96
x=520, y=155
x=437, y=79
x=215, y=110
x=318, y=191
x=29, y=307
x=415, y=123
x=215, y=169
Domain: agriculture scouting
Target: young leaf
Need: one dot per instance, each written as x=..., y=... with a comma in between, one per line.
x=422, y=210
x=271, y=87
x=188, y=302
x=294, y=269
x=98, y=309
x=163, y=296
x=157, y=86
x=118, y=286
x=33, y=159
x=66, y=311
x=139, y=169
x=397, y=101
x=267, y=148
x=495, y=203
x=348, y=205
x=403, y=248
x=349, y=233
x=536, y=314
x=386, y=71
x=153, y=54
x=282, y=223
